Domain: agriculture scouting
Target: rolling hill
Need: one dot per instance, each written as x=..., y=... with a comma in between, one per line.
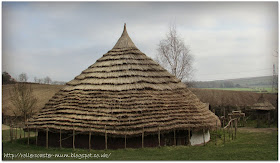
x=253, y=82
x=43, y=92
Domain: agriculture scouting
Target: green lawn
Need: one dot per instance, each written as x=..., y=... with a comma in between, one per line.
x=19, y=133
x=253, y=123
x=247, y=146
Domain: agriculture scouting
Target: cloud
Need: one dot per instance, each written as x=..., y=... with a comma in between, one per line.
x=60, y=39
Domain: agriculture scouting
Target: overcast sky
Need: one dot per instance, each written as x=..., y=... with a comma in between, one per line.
x=228, y=39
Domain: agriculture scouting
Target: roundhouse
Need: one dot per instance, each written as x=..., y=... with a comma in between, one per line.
x=123, y=100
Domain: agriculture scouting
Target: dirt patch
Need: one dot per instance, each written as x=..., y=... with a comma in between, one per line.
x=264, y=130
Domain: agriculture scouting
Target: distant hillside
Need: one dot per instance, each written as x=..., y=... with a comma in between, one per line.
x=264, y=81
x=43, y=92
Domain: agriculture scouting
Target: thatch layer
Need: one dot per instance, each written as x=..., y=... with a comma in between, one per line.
x=126, y=69
x=121, y=94
x=125, y=112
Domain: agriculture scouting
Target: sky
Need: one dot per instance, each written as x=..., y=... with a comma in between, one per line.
x=61, y=39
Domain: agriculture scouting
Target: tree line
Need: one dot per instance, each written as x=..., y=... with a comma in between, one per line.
x=7, y=79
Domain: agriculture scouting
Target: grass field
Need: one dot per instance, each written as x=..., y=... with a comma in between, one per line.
x=247, y=146
x=257, y=90
x=19, y=133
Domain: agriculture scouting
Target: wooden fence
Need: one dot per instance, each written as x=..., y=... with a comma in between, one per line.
x=18, y=132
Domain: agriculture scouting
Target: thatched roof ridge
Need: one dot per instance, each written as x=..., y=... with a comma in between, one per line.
x=263, y=104
x=124, y=41
x=124, y=92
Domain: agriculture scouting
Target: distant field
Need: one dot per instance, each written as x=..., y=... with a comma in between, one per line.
x=259, y=90
x=249, y=145
x=43, y=92
x=222, y=97
x=251, y=82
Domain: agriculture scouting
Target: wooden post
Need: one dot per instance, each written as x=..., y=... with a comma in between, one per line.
x=238, y=120
x=203, y=135
x=244, y=120
x=258, y=120
x=106, y=147
x=189, y=132
x=47, y=138
x=268, y=118
x=216, y=132
x=143, y=137
x=36, y=135
x=229, y=132
x=125, y=139
x=231, y=128
x=224, y=135
x=158, y=136
x=224, y=112
x=23, y=134
x=60, y=140
x=16, y=133
x=174, y=137
x=11, y=133
x=241, y=122
x=28, y=135
x=89, y=140
x=235, y=128
x=20, y=133
x=73, y=138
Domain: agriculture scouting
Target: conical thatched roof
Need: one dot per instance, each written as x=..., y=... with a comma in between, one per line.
x=263, y=104
x=122, y=93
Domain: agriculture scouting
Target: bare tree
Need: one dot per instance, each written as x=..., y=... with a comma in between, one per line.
x=35, y=80
x=22, y=77
x=40, y=81
x=175, y=56
x=24, y=101
x=47, y=80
